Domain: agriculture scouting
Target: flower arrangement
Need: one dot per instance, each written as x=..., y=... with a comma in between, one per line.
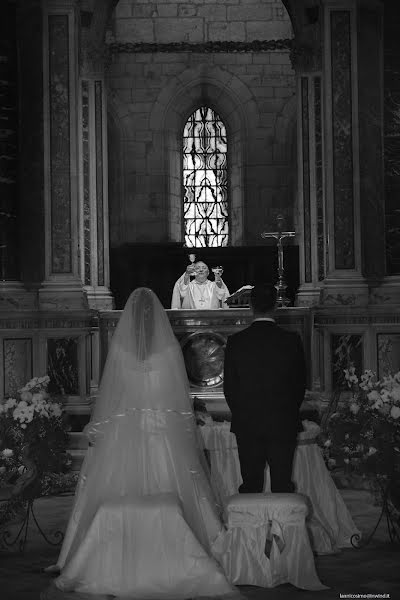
x=32, y=428
x=363, y=434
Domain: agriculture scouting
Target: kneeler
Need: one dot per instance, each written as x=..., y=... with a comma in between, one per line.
x=266, y=542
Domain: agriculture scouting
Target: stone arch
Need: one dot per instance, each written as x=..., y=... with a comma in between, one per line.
x=231, y=99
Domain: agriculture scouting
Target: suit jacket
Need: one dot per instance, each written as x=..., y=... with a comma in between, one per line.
x=265, y=380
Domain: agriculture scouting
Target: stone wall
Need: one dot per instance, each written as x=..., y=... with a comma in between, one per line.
x=151, y=93
x=201, y=21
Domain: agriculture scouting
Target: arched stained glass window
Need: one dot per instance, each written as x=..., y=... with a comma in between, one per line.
x=205, y=176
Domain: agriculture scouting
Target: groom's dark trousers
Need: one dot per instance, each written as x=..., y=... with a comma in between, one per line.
x=264, y=385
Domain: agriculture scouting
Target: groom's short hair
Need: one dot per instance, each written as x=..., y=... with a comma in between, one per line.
x=263, y=298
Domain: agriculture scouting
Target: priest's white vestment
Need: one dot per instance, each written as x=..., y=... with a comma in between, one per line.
x=200, y=296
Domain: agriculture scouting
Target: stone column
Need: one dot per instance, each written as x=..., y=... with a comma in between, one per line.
x=338, y=52
x=62, y=287
x=307, y=61
x=93, y=185
x=353, y=149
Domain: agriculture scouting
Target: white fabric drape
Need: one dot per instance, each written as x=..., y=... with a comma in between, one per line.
x=274, y=521
x=329, y=523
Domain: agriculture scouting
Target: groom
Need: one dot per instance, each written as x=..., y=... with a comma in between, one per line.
x=264, y=385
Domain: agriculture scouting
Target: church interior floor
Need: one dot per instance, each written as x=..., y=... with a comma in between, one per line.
x=374, y=570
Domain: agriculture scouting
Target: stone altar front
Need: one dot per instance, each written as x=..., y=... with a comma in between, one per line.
x=202, y=335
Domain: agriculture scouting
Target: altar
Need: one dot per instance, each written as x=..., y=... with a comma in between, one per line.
x=202, y=335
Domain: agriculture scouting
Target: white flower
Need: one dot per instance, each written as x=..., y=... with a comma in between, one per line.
x=331, y=462
x=354, y=408
x=395, y=412
x=346, y=460
x=346, y=449
x=346, y=437
x=38, y=397
x=372, y=451
x=396, y=393
x=385, y=395
x=328, y=443
x=2, y=470
x=374, y=396
x=377, y=405
x=23, y=425
x=26, y=396
x=7, y=452
x=10, y=403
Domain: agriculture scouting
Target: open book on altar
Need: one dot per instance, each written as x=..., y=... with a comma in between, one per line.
x=240, y=298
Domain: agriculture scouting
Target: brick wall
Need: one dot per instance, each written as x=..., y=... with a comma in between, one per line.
x=261, y=83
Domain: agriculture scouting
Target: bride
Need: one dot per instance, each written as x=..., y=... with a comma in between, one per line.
x=144, y=516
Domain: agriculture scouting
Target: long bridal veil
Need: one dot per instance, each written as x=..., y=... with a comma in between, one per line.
x=143, y=432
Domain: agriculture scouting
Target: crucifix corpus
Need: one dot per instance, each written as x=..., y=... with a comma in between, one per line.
x=281, y=299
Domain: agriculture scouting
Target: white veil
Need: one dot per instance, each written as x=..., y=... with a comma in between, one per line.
x=144, y=368
x=143, y=429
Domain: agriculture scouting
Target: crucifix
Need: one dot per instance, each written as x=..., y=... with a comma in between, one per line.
x=281, y=300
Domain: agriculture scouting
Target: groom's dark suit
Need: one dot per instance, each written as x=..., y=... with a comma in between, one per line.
x=264, y=385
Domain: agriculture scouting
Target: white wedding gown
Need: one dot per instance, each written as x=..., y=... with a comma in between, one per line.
x=144, y=516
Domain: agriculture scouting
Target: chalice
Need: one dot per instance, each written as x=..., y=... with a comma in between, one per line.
x=192, y=258
x=217, y=271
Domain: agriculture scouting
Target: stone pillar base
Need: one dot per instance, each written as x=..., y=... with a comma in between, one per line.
x=308, y=295
x=14, y=296
x=345, y=292
x=63, y=295
x=387, y=292
x=99, y=298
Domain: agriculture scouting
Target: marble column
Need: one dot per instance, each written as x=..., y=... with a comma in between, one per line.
x=307, y=61
x=93, y=161
x=9, y=247
x=353, y=150
x=311, y=213
x=340, y=132
x=93, y=200
x=62, y=287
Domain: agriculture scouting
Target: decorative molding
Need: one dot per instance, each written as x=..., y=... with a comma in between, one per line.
x=204, y=47
x=321, y=321
x=20, y=321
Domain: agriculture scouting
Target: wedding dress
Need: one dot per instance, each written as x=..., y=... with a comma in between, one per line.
x=144, y=516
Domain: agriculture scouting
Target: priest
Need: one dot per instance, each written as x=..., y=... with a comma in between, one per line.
x=201, y=293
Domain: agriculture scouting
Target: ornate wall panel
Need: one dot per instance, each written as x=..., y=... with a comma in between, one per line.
x=346, y=350
x=59, y=105
x=17, y=363
x=341, y=85
x=392, y=136
x=9, y=251
x=98, y=92
x=388, y=348
x=306, y=176
x=63, y=365
x=318, y=178
x=86, y=184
